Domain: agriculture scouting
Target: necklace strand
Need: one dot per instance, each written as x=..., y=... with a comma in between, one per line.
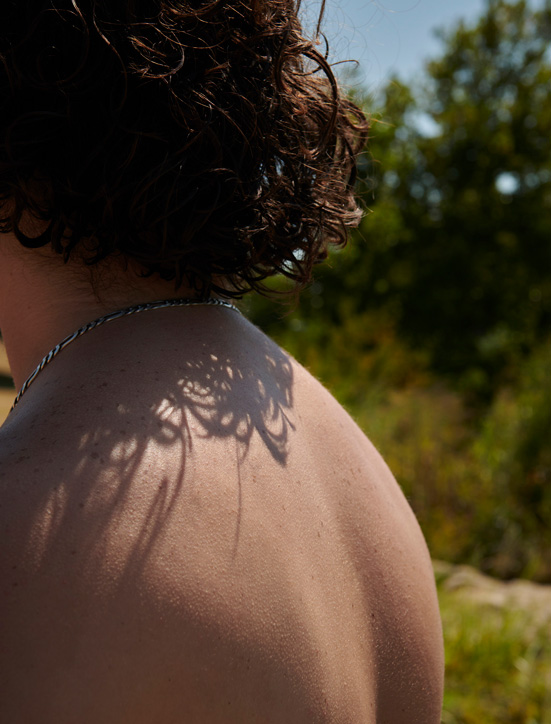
x=109, y=318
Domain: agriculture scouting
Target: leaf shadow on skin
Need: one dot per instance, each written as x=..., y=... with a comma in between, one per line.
x=108, y=503
x=110, y=436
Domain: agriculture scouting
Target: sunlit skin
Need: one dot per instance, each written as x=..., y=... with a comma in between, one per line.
x=192, y=529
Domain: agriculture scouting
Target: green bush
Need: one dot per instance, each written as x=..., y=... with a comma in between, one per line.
x=513, y=452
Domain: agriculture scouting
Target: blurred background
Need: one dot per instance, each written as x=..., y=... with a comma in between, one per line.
x=433, y=326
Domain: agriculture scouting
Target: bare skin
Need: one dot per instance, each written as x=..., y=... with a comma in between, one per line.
x=192, y=530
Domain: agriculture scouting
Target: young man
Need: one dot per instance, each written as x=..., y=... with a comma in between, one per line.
x=191, y=529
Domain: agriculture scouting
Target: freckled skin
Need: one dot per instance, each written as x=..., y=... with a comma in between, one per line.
x=193, y=531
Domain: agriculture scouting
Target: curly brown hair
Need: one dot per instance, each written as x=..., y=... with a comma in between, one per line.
x=204, y=139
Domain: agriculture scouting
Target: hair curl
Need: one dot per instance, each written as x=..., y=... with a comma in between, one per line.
x=203, y=139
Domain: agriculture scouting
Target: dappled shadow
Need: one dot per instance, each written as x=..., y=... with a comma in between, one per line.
x=112, y=436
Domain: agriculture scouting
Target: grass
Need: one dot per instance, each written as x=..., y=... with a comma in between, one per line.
x=498, y=663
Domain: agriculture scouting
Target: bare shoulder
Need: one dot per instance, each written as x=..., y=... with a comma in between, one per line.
x=215, y=537
x=382, y=539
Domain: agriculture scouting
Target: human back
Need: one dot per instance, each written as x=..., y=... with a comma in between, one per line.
x=192, y=529
x=230, y=548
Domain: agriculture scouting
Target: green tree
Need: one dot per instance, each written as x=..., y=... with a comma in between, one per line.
x=456, y=254
x=479, y=198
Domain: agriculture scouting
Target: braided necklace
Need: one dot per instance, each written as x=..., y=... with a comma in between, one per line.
x=109, y=318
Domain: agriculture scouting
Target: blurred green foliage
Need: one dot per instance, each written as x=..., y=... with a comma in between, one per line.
x=498, y=663
x=433, y=326
x=513, y=452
